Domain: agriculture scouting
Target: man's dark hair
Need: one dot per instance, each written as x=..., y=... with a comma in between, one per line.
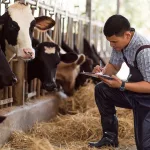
x=116, y=25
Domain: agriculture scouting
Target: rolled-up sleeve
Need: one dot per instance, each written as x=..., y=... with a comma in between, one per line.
x=143, y=63
x=116, y=58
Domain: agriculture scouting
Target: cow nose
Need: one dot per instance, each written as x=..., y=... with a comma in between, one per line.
x=49, y=86
x=28, y=52
x=14, y=80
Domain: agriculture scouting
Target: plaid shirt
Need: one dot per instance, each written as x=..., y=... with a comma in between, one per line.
x=143, y=57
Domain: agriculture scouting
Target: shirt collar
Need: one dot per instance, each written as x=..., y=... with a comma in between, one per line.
x=132, y=42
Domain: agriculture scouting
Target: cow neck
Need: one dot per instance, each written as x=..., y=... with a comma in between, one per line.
x=6, y=50
x=31, y=70
x=2, y=41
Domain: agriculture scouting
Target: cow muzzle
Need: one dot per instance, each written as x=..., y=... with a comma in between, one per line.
x=14, y=80
x=7, y=80
x=28, y=54
x=49, y=86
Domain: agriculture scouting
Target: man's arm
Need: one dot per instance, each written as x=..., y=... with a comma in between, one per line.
x=139, y=87
x=111, y=69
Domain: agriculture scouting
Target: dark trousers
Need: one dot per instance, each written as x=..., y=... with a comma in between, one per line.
x=107, y=98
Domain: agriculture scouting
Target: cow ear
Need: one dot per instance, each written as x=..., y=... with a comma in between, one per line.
x=81, y=59
x=44, y=22
x=3, y=18
x=68, y=57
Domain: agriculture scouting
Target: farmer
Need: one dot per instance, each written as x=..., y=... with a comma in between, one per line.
x=132, y=48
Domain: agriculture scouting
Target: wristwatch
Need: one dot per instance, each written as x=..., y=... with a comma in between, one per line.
x=122, y=87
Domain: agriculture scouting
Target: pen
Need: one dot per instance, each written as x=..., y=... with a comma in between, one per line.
x=101, y=65
x=100, y=62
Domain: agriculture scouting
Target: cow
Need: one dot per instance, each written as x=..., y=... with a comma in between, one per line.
x=16, y=27
x=7, y=77
x=86, y=66
x=43, y=67
x=95, y=52
x=67, y=72
x=88, y=51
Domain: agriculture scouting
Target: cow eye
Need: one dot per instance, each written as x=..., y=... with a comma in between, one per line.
x=13, y=27
x=57, y=62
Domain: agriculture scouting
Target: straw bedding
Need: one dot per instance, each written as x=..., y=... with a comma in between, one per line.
x=75, y=129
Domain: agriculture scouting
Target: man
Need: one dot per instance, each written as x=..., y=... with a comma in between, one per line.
x=130, y=47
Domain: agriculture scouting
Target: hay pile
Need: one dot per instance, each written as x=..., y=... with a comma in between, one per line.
x=24, y=141
x=81, y=101
x=73, y=132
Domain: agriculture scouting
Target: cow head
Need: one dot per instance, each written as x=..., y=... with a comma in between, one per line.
x=91, y=53
x=45, y=63
x=87, y=66
x=17, y=27
x=7, y=77
x=67, y=72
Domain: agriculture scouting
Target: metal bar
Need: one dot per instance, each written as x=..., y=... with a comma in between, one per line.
x=10, y=87
x=64, y=13
x=30, y=95
x=59, y=30
x=118, y=6
x=63, y=28
x=38, y=88
x=6, y=94
x=26, y=83
x=6, y=101
x=5, y=1
x=0, y=7
x=31, y=86
x=34, y=84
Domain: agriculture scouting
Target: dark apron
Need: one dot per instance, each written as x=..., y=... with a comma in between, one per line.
x=135, y=73
x=141, y=109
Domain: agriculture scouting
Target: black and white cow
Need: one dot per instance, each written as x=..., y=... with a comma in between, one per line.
x=95, y=51
x=91, y=53
x=43, y=67
x=87, y=66
x=16, y=27
x=7, y=78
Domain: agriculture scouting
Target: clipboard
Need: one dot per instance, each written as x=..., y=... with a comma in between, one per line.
x=95, y=75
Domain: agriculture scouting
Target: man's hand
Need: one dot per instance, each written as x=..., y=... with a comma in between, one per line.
x=97, y=69
x=115, y=83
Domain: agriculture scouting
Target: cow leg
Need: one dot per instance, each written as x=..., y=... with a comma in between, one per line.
x=2, y=118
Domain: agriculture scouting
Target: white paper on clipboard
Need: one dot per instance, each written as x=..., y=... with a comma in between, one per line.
x=96, y=75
